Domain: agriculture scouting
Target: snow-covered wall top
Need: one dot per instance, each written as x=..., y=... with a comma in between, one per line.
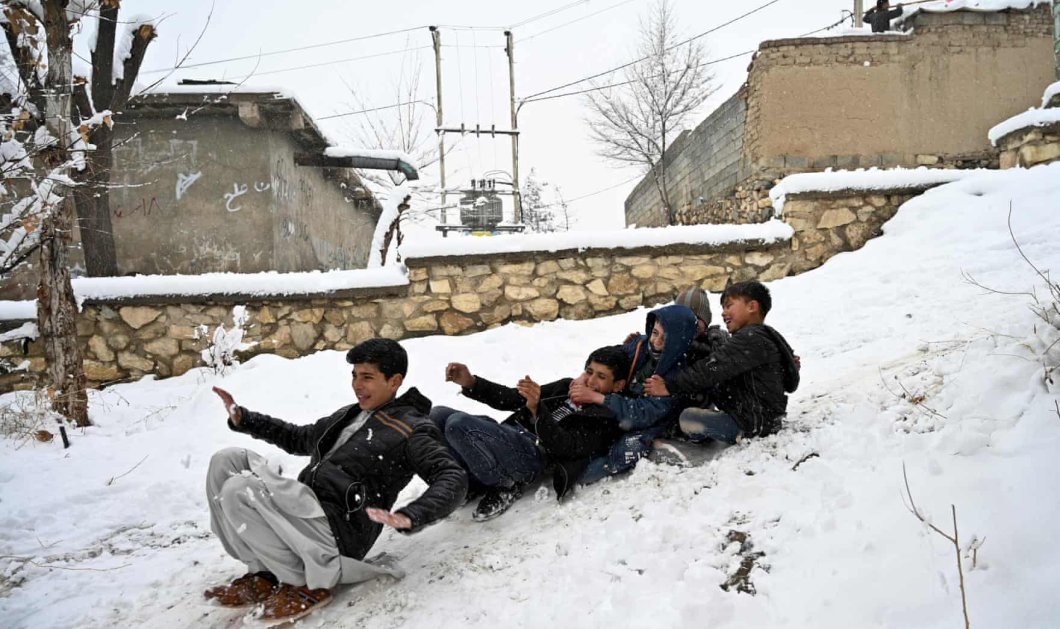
x=772, y=231
x=1029, y=118
x=1049, y=93
x=861, y=179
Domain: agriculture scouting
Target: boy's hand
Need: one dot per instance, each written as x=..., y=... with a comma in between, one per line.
x=460, y=374
x=234, y=414
x=580, y=393
x=656, y=387
x=531, y=391
x=398, y=521
x=798, y=363
x=630, y=337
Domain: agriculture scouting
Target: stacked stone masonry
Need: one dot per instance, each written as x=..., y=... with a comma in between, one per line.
x=1030, y=146
x=128, y=339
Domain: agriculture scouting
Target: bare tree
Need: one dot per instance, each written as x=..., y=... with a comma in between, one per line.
x=47, y=159
x=633, y=120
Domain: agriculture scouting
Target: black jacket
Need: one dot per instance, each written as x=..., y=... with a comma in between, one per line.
x=371, y=468
x=567, y=445
x=746, y=377
x=881, y=20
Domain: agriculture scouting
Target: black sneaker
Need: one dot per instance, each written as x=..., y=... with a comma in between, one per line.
x=496, y=501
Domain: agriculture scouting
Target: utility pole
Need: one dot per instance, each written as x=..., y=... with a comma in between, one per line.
x=858, y=13
x=517, y=199
x=436, y=36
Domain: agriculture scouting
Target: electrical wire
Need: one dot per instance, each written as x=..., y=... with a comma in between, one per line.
x=636, y=61
x=331, y=63
x=282, y=52
x=610, y=85
x=529, y=38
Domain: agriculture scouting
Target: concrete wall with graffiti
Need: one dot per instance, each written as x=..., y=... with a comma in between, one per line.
x=212, y=194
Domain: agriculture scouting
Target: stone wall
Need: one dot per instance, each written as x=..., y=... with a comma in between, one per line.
x=1030, y=146
x=129, y=338
x=845, y=220
x=926, y=98
x=701, y=164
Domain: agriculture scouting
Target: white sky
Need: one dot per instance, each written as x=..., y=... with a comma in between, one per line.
x=554, y=139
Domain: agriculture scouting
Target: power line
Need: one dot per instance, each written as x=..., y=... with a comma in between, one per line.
x=636, y=61
x=541, y=16
x=281, y=52
x=526, y=40
x=331, y=63
x=610, y=85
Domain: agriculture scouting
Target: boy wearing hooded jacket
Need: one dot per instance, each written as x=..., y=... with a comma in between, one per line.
x=642, y=416
x=747, y=377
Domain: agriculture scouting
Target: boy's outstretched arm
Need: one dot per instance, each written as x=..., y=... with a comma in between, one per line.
x=291, y=438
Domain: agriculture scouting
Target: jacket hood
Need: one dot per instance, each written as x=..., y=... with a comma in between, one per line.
x=787, y=355
x=679, y=323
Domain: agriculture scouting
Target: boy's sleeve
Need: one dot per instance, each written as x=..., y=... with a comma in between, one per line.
x=638, y=413
x=741, y=353
x=291, y=438
x=446, y=480
x=495, y=395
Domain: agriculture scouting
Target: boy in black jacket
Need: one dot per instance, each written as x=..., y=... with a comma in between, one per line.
x=300, y=538
x=547, y=429
x=746, y=377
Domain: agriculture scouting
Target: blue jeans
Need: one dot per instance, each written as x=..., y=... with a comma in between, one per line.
x=623, y=455
x=700, y=424
x=496, y=455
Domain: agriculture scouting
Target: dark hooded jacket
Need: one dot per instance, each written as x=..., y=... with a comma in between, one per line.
x=370, y=469
x=881, y=20
x=567, y=445
x=634, y=410
x=746, y=377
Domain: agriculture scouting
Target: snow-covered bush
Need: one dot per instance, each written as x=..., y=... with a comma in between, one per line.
x=220, y=354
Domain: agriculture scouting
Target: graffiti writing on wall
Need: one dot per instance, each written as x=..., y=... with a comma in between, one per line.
x=143, y=207
x=279, y=187
x=184, y=182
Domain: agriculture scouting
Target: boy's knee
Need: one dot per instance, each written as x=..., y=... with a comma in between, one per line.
x=439, y=415
x=228, y=459
x=458, y=425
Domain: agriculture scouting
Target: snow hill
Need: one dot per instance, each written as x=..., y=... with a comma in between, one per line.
x=905, y=362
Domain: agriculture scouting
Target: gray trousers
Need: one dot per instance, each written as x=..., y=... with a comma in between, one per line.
x=274, y=523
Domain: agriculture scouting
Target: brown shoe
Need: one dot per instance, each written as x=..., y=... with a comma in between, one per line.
x=289, y=603
x=249, y=589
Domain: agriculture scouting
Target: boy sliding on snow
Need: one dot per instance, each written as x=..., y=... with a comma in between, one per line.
x=546, y=430
x=746, y=377
x=300, y=538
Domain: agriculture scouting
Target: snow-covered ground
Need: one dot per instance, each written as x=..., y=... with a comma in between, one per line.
x=905, y=362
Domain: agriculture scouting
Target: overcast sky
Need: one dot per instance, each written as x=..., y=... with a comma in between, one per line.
x=577, y=40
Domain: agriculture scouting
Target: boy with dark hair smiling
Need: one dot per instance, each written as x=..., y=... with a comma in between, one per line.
x=299, y=538
x=746, y=377
x=547, y=430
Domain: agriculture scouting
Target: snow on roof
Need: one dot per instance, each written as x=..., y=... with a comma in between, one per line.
x=1049, y=92
x=861, y=179
x=772, y=231
x=1029, y=118
x=946, y=6
x=224, y=89
x=353, y=151
x=982, y=6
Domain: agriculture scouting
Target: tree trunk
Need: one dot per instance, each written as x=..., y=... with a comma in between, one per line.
x=56, y=306
x=92, y=199
x=57, y=320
